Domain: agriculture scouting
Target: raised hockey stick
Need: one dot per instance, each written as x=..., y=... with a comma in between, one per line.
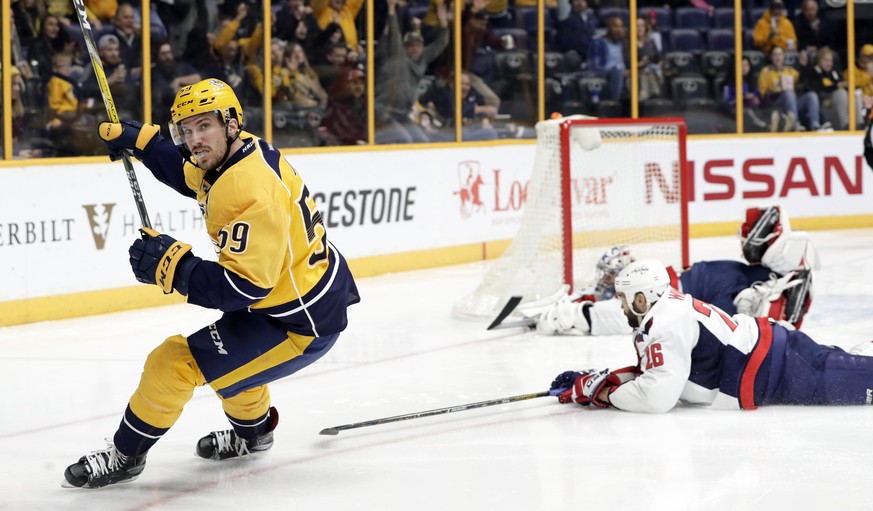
x=110, y=108
x=439, y=411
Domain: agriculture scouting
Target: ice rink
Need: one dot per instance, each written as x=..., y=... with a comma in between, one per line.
x=66, y=384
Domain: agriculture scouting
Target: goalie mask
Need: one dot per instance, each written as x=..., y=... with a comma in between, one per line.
x=646, y=276
x=206, y=96
x=610, y=264
x=761, y=228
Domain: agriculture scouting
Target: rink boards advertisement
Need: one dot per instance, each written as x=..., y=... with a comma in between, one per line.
x=67, y=229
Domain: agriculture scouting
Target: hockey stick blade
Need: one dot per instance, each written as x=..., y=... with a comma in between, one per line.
x=333, y=431
x=529, y=323
x=506, y=311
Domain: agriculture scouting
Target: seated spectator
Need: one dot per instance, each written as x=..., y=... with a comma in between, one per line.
x=821, y=78
x=813, y=31
x=295, y=21
x=863, y=75
x=475, y=36
x=497, y=12
x=346, y=115
x=179, y=18
x=401, y=64
x=68, y=122
x=774, y=29
x=168, y=76
x=232, y=54
x=300, y=86
x=229, y=67
x=129, y=40
x=777, y=85
x=576, y=27
x=608, y=57
x=126, y=89
x=23, y=132
x=649, y=62
x=430, y=24
x=52, y=39
x=26, y=17
x=475, y=112
x=341, y=12
x=334, y=63
x=550, y=4
x=100, y=12
x=750, y=97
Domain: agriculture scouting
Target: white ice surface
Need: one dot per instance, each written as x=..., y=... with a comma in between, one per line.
x=65, y=384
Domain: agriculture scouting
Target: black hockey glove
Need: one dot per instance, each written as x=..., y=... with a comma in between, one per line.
x=160, y=259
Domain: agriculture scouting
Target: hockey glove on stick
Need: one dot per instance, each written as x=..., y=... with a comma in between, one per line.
x=586, y=386
x=132, y=136
x=567, y=380
x=160, y=259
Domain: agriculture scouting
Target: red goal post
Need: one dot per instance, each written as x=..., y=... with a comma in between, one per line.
x=596, y=183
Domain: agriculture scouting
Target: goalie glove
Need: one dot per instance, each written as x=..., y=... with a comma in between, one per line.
x=566, y=317
x=784, y=299
x=767, y=239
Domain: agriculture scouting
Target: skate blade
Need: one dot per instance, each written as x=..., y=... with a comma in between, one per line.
x=66, y=484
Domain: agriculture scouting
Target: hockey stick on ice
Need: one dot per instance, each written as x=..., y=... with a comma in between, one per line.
x=110, y=107
x=439, y=411
x=529, y=321
x=506, y=311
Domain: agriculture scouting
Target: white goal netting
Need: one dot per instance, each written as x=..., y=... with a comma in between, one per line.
x=624, y=186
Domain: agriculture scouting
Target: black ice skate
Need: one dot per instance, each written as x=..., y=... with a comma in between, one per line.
x=221, y=445
x=102, y=468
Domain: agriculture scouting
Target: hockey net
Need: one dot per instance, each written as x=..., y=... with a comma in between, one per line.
x=596, y=183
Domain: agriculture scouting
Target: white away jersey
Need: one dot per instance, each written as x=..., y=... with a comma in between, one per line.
x=692, y=351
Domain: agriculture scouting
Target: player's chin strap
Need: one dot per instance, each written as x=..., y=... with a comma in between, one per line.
x=230, y=141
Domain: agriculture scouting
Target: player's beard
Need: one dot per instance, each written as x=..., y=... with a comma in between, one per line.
x=632, y=319
x=213, y=158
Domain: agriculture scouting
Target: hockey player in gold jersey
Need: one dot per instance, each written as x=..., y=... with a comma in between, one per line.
x=283, y=287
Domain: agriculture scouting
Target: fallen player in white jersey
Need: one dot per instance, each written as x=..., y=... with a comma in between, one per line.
x=693, y=352
x=776, y=283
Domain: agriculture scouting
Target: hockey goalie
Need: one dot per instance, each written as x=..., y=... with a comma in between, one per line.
x=775, y=281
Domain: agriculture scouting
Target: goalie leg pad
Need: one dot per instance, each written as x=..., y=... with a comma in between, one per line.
x=798, y=298
x=785, y=299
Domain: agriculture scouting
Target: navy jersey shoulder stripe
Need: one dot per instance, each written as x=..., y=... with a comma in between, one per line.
x=271, y=156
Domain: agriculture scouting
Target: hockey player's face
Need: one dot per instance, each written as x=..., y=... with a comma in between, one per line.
x=204, y=135
x=632, y=319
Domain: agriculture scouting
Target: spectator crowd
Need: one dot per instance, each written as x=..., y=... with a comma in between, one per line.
x=794, y=72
